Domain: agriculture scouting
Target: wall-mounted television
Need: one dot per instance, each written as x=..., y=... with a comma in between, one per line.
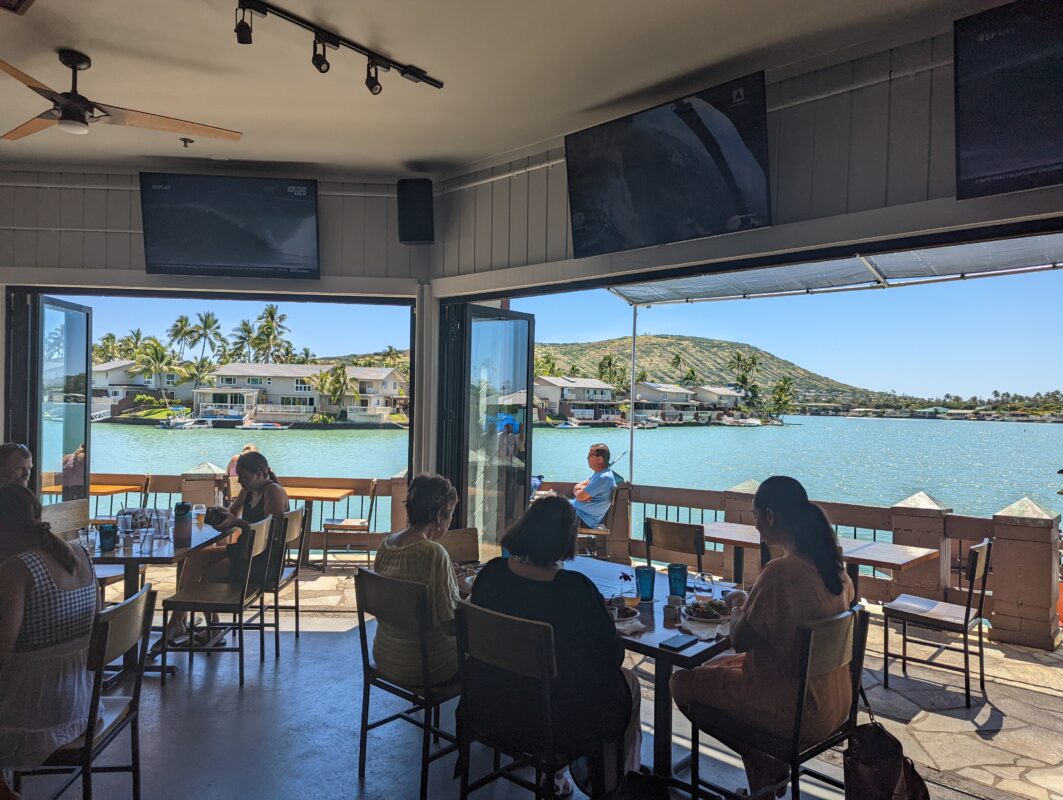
x=1009, y=98
x=688, y=168
x=238, y=227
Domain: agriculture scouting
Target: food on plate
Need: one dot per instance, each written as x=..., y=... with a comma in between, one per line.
x=626, y=613
x=706, y=610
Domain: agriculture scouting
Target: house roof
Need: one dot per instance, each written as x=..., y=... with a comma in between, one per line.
x=118, y=363
x=666, y=387
x=566, y=382
x=721, y=390
x=370, y=373
x=242, y=370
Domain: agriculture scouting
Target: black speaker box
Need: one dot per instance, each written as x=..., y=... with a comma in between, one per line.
x=416, y=225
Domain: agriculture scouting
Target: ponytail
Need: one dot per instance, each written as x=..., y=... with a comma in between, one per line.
x=57, y=548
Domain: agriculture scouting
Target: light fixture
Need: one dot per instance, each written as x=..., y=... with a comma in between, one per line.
x=243, y=28
x=73, y=122
x=319, y=59
x=372, y=83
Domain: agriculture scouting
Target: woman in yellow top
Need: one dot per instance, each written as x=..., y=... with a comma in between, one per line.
x=415, y=555
x=758, y=686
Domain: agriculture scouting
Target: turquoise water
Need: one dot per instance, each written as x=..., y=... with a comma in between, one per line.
x=975, y=467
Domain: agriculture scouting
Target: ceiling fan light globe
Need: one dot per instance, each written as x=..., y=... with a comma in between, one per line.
x=75, y=126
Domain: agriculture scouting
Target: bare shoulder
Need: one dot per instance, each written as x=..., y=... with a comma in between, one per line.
x=14, y=573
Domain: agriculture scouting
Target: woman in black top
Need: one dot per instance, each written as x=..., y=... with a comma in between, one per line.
x=260, y=496
x=593, y=699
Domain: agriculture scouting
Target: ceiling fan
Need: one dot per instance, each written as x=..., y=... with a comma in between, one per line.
x=73, y=112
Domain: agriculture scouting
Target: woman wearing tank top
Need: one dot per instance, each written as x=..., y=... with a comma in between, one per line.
x=48, y=601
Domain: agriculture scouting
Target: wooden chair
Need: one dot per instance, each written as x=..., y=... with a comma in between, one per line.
x=403, y=605
x=949, y=617
x=99, y=478
x=676, y=537
x=825, y=645
x=117, y=630
x=354, y=532
x=462, y=544
x=65, y=519
x=525, y=649
x=169, y=485
x=233, y=597
x=604, y=541
x=291, y=537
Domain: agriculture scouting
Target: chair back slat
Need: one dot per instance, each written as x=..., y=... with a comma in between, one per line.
x=294, y=521
x=620, y=500
x=66, y=517
x=513, y=644
x=402, y=604
x=979, y=559
x=260, y=538
x=831, y=644
x=462, y=544
x=677, y=537
x=120, y=627
x=372, y=504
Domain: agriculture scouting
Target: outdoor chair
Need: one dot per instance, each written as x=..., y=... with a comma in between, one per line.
x=99, y=478
x=229, y=596
x=525, y=649
x=168, y=485
x=289, y=537
x=404, y=605
x=684, y=538
x=462, y=544
x=923, y=612
x=116, y=630
x=353, y=532
x=825, y=645
x=604, y=541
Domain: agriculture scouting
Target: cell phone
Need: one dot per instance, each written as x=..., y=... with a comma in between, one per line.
x=680, y=641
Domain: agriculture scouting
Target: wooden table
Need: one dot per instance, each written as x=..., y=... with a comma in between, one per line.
x=647, y=642
x=309, y=495
x=101, y=489
x=162, y=552
x=740, y=538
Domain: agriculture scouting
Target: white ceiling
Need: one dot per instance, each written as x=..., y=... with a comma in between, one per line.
x=516, y=72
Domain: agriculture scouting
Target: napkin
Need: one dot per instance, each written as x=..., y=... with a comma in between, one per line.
x=633, y=625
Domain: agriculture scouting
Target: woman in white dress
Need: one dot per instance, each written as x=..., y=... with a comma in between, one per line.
x=48, y=601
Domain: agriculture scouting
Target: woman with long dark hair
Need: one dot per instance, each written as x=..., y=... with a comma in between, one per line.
x=758, y=686
x=48, y=600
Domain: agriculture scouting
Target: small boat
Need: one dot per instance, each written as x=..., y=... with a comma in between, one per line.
x=571, y=422
x=262, y=426
x=184, y=424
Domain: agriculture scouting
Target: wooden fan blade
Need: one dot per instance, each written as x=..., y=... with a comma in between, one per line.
x=36, y=124
x=26, y=80
x=156, y=122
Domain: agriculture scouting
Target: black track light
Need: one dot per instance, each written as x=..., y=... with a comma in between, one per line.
x=319, y=59
x=372, y=83
x=243, y=28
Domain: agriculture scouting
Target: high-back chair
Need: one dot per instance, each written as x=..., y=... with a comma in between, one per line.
x=605, y=541
x=923, y=612
x=676, y=537
x=403, y=605
x=116, y=630
x=234, y=596
x=462, y=544
x=289, y=537
x=164, y=488
x=524, y=649
x=353, y=532
x=824, y=646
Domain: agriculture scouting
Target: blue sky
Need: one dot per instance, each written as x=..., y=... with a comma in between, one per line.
x=968, y=337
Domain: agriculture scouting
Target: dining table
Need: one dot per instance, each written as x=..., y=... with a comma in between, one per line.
x=160, y=552
x=310, y=495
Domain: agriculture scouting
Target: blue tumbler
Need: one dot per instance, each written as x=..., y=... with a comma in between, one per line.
x=644, y=580
x=677, y=579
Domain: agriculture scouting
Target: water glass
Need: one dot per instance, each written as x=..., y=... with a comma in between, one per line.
x=704, y=586
x=677, y=580
x=90, y=539
x=83, y=539
x=645, y=577
x=147, y=541
x=199, y=513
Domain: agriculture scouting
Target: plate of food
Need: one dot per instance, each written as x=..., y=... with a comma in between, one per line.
x=707, y=611
x=626, y=613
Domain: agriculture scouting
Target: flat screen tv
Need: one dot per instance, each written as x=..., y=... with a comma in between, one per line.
x=1009, y=98
x=237, y=227
x=688, y=168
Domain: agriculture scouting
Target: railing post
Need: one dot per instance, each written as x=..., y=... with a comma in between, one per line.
x=398, y=503
x=738, y=507
x=1025, y=576
x=919, y=521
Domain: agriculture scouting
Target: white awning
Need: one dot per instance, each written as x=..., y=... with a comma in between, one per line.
x=885, y=270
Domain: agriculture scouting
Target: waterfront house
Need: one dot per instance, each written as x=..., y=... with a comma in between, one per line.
x=112, y=381
x=668, y=401
x=582, y=398
x=932, y=412
x=717, y=398
x=381, y=393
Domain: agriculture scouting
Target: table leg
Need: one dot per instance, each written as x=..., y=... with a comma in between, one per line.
x=662, y=717
x=854, y=576
x=739, y=560
x=130, y=586
x=308, y=516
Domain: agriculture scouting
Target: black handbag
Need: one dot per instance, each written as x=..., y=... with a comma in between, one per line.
x=876, y=767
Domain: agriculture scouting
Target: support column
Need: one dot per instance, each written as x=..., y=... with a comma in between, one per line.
x=738, y=507
x=424, y=413
x=919, y=521
x=1025, y=576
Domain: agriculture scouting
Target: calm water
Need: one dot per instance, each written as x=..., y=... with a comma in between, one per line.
x=976, y=467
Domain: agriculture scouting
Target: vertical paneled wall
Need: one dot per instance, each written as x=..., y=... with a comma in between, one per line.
x=92, y=221
x=858, y=136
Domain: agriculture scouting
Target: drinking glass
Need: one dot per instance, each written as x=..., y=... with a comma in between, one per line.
x=677, y=580
x=90, y=539
x=199, y=513
x=645, y=577
x=147, y=540
x=83, y=538
x=704, y=586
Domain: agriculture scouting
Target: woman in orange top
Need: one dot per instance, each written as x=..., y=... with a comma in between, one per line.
x=758, y=685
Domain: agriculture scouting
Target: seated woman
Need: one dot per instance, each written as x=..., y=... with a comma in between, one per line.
x=594, y=700
x=758, y=685
x=260, y=496
x=48, y=600
x=415, y=554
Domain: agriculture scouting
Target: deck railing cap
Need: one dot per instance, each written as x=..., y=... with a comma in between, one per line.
x=922, y=504
x=1025, y=511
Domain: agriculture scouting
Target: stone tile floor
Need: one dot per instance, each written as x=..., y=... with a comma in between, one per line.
x=1010, y=746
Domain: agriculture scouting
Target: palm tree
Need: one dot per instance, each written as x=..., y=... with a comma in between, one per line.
x=676, y=361
x=270, y=332
x=304, y=356
x=334, y=384
x=243, y=339
x=391, y=355
x=690, y=378
x=129, y=344
x=106, y=349
x=642, y=376
x=206, y=333
x=180, y=333
x=155, y=359
x=200, y=370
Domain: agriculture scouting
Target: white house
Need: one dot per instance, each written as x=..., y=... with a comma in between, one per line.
x=665, y=400
x=712, y=398
x=381, y=392
x=583, y=398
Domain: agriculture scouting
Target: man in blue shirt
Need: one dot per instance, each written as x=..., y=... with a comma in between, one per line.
x=592, y=496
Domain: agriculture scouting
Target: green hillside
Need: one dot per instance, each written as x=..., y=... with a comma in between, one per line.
x=708, y=358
